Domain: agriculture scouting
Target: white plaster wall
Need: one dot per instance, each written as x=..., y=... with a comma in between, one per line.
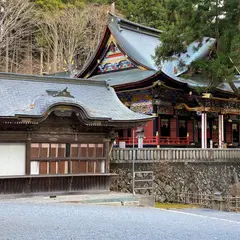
x=34, y=167
x=103, y=166
x=12, y=159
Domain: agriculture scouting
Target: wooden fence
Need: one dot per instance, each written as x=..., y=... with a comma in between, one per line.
x=174, y=154
x=217, y=202
x=55, y=183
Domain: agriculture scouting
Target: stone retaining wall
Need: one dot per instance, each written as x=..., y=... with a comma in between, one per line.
x=171, y=178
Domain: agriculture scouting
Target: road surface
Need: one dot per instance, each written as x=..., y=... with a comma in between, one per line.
x=77, y=221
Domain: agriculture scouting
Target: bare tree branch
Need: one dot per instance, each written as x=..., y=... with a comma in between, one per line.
x=72, y=33
x=16, y=21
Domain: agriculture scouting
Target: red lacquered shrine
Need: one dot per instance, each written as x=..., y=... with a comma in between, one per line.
x=184, y=117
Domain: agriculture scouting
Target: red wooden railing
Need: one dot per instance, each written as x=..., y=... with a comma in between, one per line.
x=174, y=141
x=127, y=140
x=155, y=140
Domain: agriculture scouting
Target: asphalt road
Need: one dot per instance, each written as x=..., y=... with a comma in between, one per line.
x=75, y=221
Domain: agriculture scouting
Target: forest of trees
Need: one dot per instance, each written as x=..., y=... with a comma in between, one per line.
x=48, y=36
x=39, y=36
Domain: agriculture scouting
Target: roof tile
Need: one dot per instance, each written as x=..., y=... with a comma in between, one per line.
x=19, y=94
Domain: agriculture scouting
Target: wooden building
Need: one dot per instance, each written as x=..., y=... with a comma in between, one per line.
x=184, y=117
x=56, y=133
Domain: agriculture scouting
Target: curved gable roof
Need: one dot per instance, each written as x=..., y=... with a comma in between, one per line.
x=24, y=95
x=139, y=42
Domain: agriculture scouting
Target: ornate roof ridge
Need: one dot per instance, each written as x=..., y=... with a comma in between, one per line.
x=55, y=79
x=127, y=24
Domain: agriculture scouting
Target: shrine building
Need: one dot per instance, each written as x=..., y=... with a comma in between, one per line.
x=183, y=116
x=56, y=134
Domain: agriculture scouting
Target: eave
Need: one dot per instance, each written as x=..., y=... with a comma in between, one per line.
x=82, y=115
x=95, y=56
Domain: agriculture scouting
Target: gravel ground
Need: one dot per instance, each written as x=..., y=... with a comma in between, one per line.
x=78, y=221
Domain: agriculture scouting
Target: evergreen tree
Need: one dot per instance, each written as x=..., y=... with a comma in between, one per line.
x=191, y=20
x=49, y=4
x=54, y=5
x=150, y=13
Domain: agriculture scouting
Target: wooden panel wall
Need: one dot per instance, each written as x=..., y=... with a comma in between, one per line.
x=148, y=129
x=173, y=127
x=125, y=133
x=228, y=132
x=159, y=125
x=67, y=183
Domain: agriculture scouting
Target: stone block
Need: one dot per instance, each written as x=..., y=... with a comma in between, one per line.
x=130, y=203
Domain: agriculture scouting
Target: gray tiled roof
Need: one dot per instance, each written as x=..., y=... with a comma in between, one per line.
x=123, y=77
x=19, y=92
x=139, y=42
x=140, y=45
x=226, y=87
x=201, y=82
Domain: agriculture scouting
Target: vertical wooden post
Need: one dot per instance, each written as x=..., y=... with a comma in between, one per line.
x=157, y=140
x=223, y=140
x=204, y=129
x=155, y=126
x=229, y=137
x=107, y=154
x=190, y=130
x=28, y=158
x=140, y=142
x=220, y=131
